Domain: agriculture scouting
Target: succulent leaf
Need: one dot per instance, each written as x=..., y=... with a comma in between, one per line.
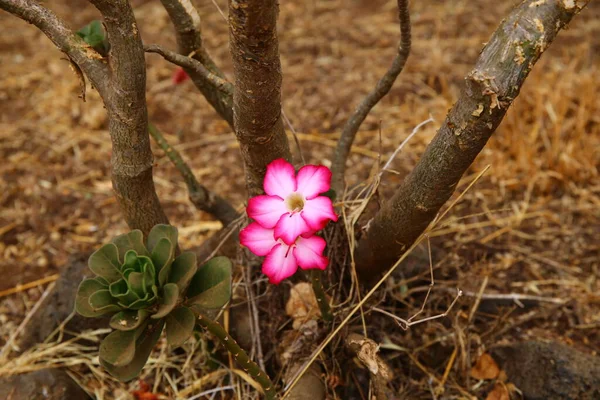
x=183, y=269
x=121, y=291
x=133, y=240
x=180, y=326
x=161, y=231
x=102, y=302
x=162, y=258
x=169, y=300
x=82, y=301
x=210, y=287
x=118, y=348
x=128, y=320
x=105, y=262
x=143, y=347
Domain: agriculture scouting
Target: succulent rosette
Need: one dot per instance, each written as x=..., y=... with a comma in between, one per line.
x=287, y=218
x=147, y=288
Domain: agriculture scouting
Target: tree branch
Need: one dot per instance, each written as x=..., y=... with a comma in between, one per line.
x=257, y=97
x=210, y=79
x=86, y=58
x=186, y=21
x=490, y=88
x=382, y=88
x=125, y=102
x=200, y=196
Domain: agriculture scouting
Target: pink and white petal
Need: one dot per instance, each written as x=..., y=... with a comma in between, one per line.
x=279, y=264
x=309, y=253
x=289, y=227
x=318, y=211
x=280, y=179
x=313, y=180
x=257, y=239
x=266, y=210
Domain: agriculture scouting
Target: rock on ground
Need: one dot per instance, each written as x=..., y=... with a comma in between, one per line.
x=46, y=384
x=550, y=370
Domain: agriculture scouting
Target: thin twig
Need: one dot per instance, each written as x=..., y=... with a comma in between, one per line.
x=399, y=148
x=294, y=134
x=381, y=89
x=222, y=85
x=317, y=285
x=29, y=285
x=200, y=196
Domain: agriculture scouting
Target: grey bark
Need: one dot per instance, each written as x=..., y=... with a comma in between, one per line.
x=490, y=88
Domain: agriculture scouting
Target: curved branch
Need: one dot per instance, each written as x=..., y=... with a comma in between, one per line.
x=382, y=88
x=186, y=21
x=202, y=198
x=222, y=85
x=82, y=54
x=257, y=97
x=490, y=88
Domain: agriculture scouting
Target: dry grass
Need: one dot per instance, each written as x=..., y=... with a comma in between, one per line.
x=530, y=226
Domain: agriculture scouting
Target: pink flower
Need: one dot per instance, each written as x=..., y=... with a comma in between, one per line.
x=292, y=205
x=282, y=260
x=179, y=76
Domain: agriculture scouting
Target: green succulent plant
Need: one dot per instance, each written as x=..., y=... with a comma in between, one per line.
x=94, y=35
x=146, y=288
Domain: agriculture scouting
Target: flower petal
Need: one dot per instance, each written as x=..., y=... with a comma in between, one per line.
x=279, y=264
x=309, y=252
x=313, y=180
x=289, y=227
x=280, y=179
x=266, y=210
x=259, y=240
x=318, y=211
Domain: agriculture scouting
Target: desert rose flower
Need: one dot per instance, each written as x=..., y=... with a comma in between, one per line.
x=292, y=205
x=179, y=76
x=282, y=260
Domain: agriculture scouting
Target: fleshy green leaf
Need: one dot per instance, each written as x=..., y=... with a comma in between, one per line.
x=136, y=283
x=82, y=301
x=131, y=262
x=180, y=326
x=143, y=347
x=105, y=262
x=144, y=302
x=133, y=240
x=101, y=302
x=183, y=269
x=122, y=292
x=210, y=287
x=161, y=231
x=129, y=320
x=118, y=348
x=162, y=257
x=92, y=33
x=169, y=300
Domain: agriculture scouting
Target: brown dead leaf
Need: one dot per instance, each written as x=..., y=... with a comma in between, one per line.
x=500, y=392
x=485, y=368
x=302, y=305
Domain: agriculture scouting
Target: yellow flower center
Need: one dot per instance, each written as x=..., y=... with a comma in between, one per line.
x=294, y=202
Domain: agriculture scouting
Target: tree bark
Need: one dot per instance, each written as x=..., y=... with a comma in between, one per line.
x=489, y=89
x=132, y=158
x=186, y=21
x=257, y=94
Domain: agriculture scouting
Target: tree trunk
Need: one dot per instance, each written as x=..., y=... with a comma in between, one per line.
x=257, y=89
x=490, y=88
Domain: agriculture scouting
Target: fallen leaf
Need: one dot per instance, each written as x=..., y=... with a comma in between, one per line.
x=485, y=368
x=500, y=392
x=302, y=305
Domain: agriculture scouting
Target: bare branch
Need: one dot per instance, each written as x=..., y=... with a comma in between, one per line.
x=257, y=98
x=132, y=159
x=381, y=89
x=222, y=85
x=490, y=88
x=186, y=21
x=202, y=198
x=79, y=52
